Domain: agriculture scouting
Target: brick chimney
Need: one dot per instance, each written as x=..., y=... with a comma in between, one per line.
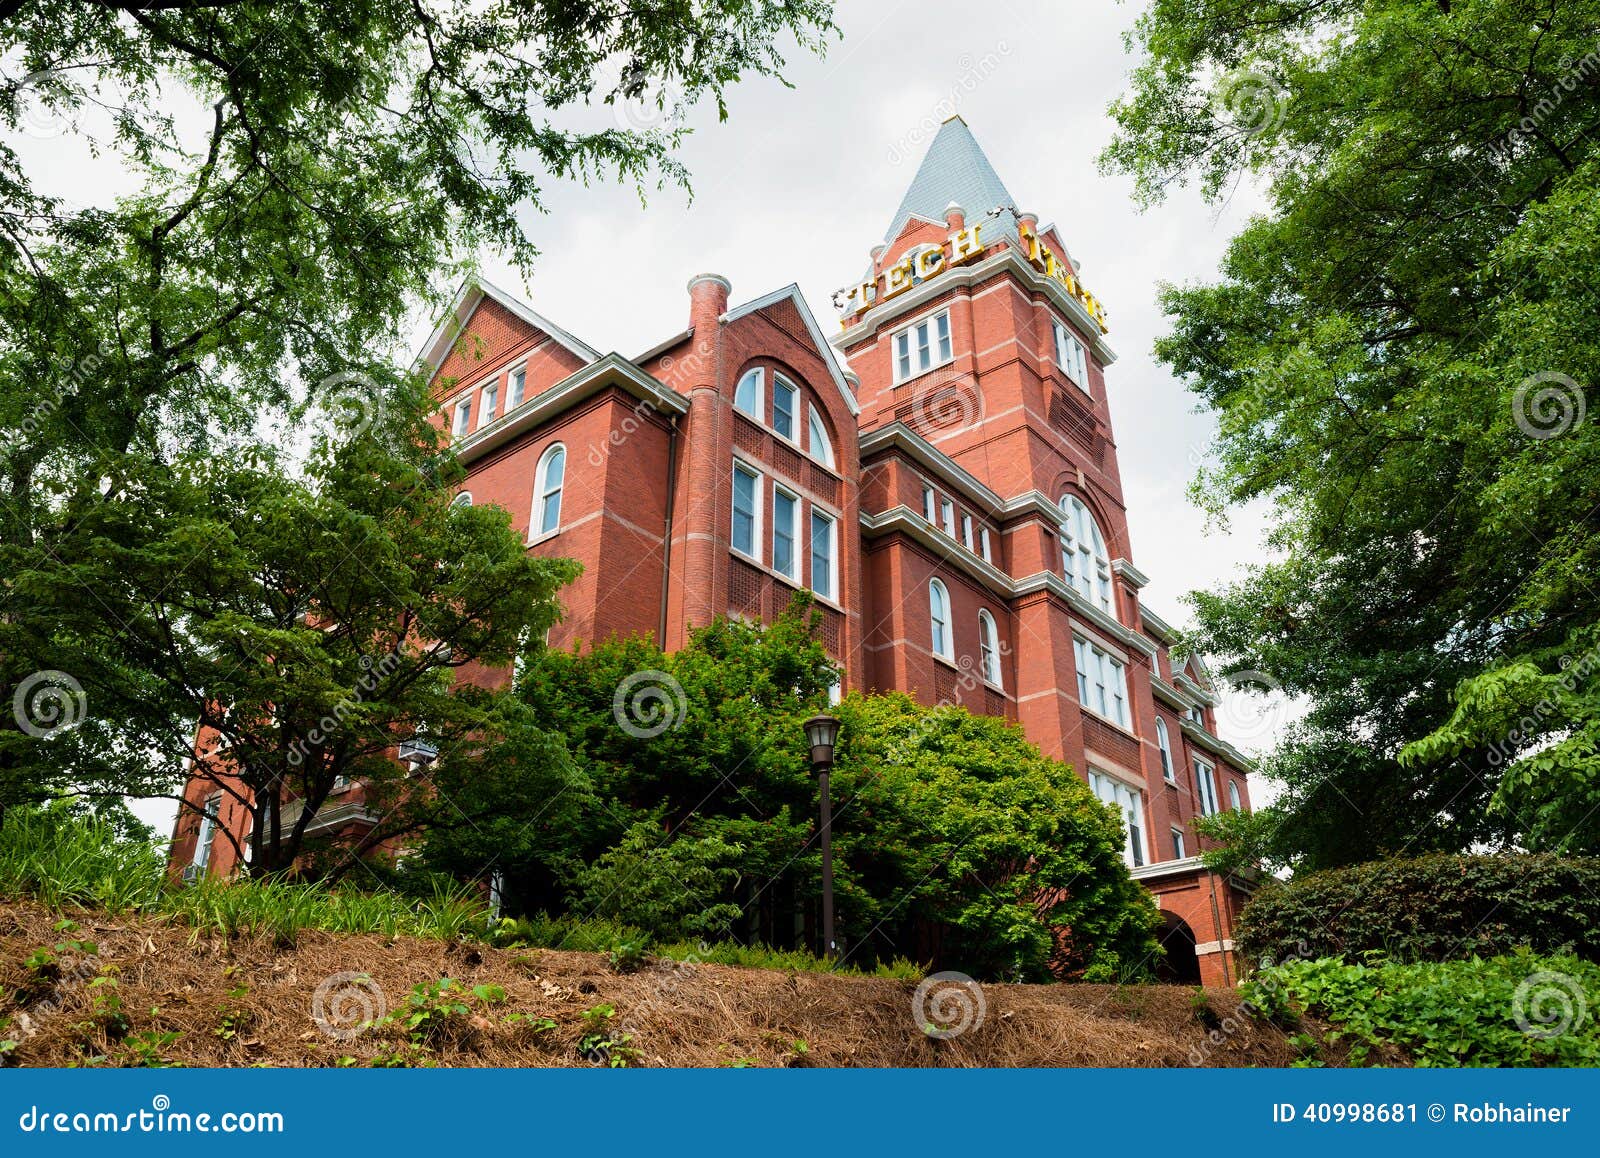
x=708, y=301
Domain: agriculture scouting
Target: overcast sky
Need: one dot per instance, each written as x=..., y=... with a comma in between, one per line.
x=800, y=183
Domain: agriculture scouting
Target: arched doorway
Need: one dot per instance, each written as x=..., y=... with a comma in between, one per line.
x=1181, y=966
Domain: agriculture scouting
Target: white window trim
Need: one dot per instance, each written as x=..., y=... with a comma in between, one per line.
x=818, y=512
x=487, y=413
x=463, y=499
x=1074, y=362
x=1121, y=788
x=948, y=653
x=796, y=542
x=796, y=410
x=542, y=490
x=210, y=821
x=1235, y=801
x=1102, y=592
x=760, y=375
x=758, y=493
x=1169, y=767
x=947, y=516
x=815, y=425
x=930, y=505
x=966, y=532
x=1180, y=847
x=983, y=544
x=989, y=650
x=1105, y=659
x=510, y=374
x=933, y=346
x=1205, y=783
x=461, y=415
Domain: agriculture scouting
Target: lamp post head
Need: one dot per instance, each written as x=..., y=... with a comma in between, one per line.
x=822, y=732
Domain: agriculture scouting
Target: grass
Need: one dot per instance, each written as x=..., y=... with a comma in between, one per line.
x=81, y=863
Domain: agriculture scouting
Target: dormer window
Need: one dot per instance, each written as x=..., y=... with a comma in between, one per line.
x=922, y=346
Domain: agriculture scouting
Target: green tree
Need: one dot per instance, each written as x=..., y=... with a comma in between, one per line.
x=304, y=176
x=953, y=836
x=1400, y=353
x=309, y=625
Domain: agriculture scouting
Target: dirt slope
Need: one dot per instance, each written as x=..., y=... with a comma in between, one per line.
x=248, y=1002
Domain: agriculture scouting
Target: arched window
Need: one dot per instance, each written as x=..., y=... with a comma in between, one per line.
x=939, y=615
x=1233, y=795
x=1083, y=553
x=821, y=446
x=464, y=499
x=547, y=503
x=1168, y=769
x=989, y=647
x=747, y=395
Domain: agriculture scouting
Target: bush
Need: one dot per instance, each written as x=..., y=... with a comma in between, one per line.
x=65, y=860
x=790, y=960
x=1430, y=908
x=1520, y=1010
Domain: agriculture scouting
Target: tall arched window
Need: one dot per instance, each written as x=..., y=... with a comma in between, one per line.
x=939, y=616
x=1168, y=769
x=464, y=499
x=821, y=445
x=1083, y=553
x=989, y=648
x=747, y=394
x=1233, y=795
x=547, y=502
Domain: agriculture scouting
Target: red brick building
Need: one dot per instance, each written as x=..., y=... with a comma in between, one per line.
x=939, y=472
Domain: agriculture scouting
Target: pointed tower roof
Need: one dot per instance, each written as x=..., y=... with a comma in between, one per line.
x=955, y=169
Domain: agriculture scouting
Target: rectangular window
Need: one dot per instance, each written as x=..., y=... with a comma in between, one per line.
x=966, y=529
x=921, y=346
x=983, y=544
x=927, y=502
x=1070, y=357
x=1102, y=682
x=491, y=395
x=211, y=812
x=518, y=382
x=784, y=509
x=783, y=396
x=746, y=515
x=1177, y=844
x=947, y=516
x=1205, y=779
x=463, y=415
x=822, y=581
x=1129, y=803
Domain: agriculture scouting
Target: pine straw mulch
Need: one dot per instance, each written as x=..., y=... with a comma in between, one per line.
x=172, y=978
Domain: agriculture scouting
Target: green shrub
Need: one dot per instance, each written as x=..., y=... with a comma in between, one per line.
x=1518, y=1010
x=790, y=960
x=1429, y=908
x=64, y=861
x=542, y=931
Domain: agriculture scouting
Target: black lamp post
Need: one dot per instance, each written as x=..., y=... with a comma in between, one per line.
x=821, y=733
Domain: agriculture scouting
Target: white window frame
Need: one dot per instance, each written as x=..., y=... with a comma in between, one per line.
x=461, y=415
x=757, y=493
x=543, y=491
x=1129, y=803
x=983, y=545
x=464, y=499
x=1084, y=558
x=1169, y=770
x=989, y=649
x=1205, y=782
x=793, y=573
x=941, y=624
x=1102, y=681
x=819, y=515
x=929, y=504
x=1234, y=802
x=1179, y=846
x=1070, y=356
x=210, y=820
x=796, y=402
x=518, y=377
x=489, y=395
x=821, y=446
x=966, y=531
x=758, y=377
x=836, y=690
x=947, y=516
x=918, y=347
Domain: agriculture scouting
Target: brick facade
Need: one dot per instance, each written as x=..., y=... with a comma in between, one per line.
x=997, y=429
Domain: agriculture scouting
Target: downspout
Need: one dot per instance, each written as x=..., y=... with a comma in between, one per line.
x=1216, y=923
x=666, y=538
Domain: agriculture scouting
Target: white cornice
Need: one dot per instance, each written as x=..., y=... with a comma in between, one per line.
x=915, y=298
x=899, y=436
x=611, y=370
x=1158, y=627
x=1217, y=746
x=1056, y=585
x=1129, y=572
x=914, y=526
x=473, y=291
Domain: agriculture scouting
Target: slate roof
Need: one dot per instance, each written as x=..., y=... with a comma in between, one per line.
x=955, y=169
